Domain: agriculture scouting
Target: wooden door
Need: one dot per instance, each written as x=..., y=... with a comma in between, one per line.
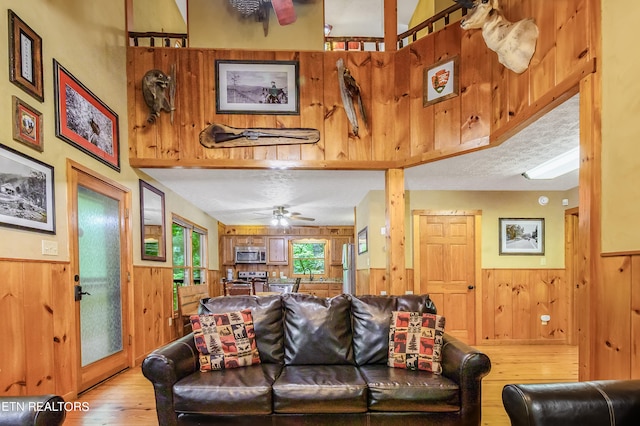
x=445, y=267
x=101, y=264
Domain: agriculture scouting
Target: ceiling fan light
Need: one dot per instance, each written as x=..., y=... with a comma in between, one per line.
x=283, y=222
x=274, y=221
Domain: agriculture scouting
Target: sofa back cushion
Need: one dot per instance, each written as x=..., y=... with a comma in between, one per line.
x=317, y=330
x=267, y=321
x=371, y=317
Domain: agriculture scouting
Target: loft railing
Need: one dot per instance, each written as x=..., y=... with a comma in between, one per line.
x=166, y=39
x=331, y=43
x=358, y=43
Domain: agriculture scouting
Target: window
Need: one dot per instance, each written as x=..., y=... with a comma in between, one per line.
x=189, y=243
x=309, y=256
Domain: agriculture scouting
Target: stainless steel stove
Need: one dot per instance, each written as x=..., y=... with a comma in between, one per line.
x=259, y=278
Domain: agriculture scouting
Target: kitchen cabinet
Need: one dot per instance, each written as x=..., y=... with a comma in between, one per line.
x=227, y=250
x=250, y=240
x=277, y=251
x=321, y=289
x=336, y=249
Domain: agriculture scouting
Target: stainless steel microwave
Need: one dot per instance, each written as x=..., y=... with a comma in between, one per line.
x=244, y=254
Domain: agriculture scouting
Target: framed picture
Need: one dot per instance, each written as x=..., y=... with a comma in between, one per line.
x=521, y=236
x=152, y=223
x=440, y=81
x=26, y=192
x=83, y=120
x=257, y=87
x=27, y=124
x=25, y=57
x=363, y=241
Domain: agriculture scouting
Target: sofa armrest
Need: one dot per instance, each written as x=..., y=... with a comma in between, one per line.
x=45, y=410
x=604, y=402
x=466, y=366
x=164, y=367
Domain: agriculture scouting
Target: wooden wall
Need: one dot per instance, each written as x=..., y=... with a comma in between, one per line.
x=513, y=301
x=493, y=103
x=37, y=328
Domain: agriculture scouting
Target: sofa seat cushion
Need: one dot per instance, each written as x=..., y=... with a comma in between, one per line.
x=234, y=391
x=320, y=389
x=394, y=389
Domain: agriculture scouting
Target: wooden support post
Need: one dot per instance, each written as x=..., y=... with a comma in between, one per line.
x=390, y=25
x=396, y=276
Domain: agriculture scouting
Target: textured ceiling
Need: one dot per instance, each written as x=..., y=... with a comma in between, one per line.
x=247, y=197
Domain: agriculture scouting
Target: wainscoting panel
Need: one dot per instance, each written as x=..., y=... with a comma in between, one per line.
x=513, y=301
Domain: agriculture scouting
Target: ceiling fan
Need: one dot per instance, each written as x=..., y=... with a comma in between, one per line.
x=281, y=216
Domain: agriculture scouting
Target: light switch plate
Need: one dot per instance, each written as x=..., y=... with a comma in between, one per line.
x=49, y=248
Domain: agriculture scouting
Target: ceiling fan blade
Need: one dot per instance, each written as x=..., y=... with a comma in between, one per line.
x=302, y=218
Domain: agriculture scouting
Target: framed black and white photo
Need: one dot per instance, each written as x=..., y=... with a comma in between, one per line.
x=257, y=87
x=25, y=57
x=440, y=81
x=83, y=120
x=521, y=236
x=26, y=192
x=363, y=241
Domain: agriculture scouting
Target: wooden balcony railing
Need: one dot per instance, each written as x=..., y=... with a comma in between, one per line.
x=358, y=43
x=331, y=43
x=166, y=39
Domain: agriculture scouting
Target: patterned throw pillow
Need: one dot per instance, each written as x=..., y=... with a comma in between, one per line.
x=225, y=340
x=415, y=341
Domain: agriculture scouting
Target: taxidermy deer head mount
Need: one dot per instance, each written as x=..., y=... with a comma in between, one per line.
x=514, y=42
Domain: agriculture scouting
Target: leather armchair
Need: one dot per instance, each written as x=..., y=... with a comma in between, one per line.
x=45, y=410
x=596, y=403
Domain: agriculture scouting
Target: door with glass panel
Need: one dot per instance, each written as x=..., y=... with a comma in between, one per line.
x=188, y=242
x=99, y=235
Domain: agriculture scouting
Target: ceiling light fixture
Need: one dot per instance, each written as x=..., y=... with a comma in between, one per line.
x=558, y=166
x=327, y=29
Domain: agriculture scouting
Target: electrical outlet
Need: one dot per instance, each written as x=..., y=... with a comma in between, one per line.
x=543, y=261
x=170, y=321
x=383, y=293
x=408, y=292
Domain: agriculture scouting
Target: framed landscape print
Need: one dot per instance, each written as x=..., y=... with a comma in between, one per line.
x=440, y=81
x=83, y=120
x=25, y=57
x=27, y=124
x=257, y=87
x=521, y=236
x=26, y=192
x=363, y=241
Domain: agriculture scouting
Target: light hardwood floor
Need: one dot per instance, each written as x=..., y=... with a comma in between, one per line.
x=127, y=399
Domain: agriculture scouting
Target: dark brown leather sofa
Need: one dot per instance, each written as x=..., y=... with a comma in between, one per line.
x=323, y=362
x=34, y=410
x=596, y=403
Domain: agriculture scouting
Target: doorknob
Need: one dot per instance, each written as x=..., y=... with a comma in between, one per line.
x=78, y=293
x=471, y=287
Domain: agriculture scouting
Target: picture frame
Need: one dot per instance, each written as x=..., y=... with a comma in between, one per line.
x=441, y=81
x=363, y=240
x=25, y=57
x=83, y=120
x=522, y=236
x=257, y=87
x=152, y=223
x=27, y=199
x=27, y=124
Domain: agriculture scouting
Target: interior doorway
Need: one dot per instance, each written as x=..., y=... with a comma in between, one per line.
x=446, y=266
x=99, y=229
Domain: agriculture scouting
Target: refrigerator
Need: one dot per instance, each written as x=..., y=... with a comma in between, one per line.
x=349, y=269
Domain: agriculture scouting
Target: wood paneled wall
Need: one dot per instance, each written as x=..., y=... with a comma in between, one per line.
x=493, y=101
x=37, y=328
x=514, y=299
x=153, y=308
